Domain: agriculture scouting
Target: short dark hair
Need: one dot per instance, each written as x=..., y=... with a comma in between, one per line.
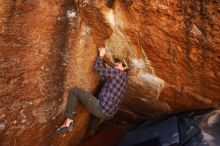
x=123, y=62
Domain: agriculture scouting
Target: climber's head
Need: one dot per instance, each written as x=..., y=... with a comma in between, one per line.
x=121, y=64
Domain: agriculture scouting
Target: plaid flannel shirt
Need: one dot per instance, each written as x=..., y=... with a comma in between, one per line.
x=113, y=89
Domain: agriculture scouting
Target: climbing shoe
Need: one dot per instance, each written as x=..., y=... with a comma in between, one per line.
x=64, y=128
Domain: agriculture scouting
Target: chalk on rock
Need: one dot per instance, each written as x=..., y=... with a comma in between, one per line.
x=153, y=81
x=196, y=31
x=71, y=14
x=2, y=126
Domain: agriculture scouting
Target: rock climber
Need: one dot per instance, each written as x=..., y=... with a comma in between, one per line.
x=106, y=106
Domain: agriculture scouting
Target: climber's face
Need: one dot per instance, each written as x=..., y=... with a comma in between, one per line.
x=119, y=66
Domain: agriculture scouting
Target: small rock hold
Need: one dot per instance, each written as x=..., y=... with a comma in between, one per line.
x=22, y=111
x=71, y=14
x=196, y=31
x=2, y=126
x=2, y=116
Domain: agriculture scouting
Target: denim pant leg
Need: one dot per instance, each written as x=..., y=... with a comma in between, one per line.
x=72, y=103
x=77, y=95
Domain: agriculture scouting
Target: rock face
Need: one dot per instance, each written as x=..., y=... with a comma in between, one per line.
x=48, y=46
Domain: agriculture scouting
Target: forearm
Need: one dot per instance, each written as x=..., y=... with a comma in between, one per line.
x=106, y=72
x=99, y=63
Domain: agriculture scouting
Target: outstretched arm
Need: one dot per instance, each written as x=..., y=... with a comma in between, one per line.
x=99, y=66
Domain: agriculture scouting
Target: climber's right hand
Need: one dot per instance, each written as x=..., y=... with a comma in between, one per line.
x=102, y=52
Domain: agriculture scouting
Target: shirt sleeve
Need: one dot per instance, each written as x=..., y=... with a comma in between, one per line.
x=105, y=72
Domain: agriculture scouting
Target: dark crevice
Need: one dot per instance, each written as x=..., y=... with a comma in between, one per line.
x=189, y=12
x=203, y=43
x=59, y=55
x=196, y=12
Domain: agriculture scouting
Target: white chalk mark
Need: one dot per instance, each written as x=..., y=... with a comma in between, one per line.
x=196, y=31
x=110, y=18
x=71, y=14
x=139, y=63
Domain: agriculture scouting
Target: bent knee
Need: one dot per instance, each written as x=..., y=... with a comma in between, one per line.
x=74, y=89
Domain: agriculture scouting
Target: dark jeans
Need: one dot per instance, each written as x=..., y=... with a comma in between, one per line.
x=76, y=96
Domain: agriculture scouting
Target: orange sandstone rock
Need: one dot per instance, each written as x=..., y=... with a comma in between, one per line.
x=46, y=47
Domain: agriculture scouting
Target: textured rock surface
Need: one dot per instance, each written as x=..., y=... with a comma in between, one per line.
x=49, y=46
x=210, y=129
